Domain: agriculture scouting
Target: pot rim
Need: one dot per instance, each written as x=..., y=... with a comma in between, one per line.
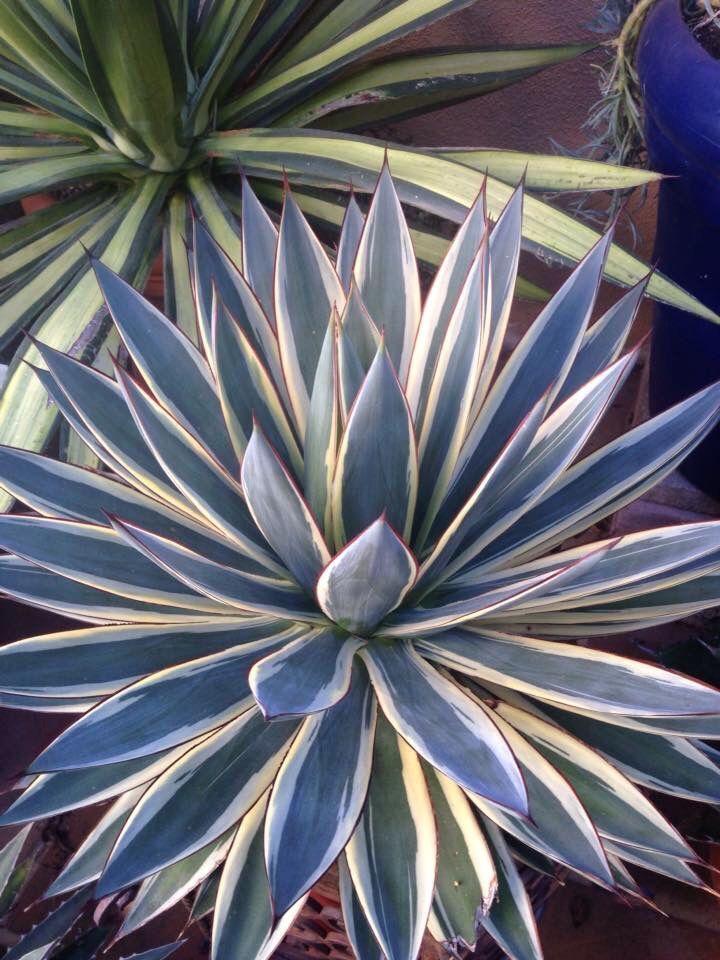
x=680, y=83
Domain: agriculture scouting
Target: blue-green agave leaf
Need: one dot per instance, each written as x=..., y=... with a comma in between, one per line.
x=511, y=918
x=98, y=661
x=377, y=469
x=281, y=513
x=386, y=273
x=570, y=675
x=314, y=806
x=350, y=233
x=169, y=363
x=446, y=727
x=178, y=815
x=308, y=675
x=164, y=889
x=392, y=853
x=358, y=930
x=245, y=926
x=87, y=863
x=259, y=237
x=38, y=943
x=161, y=711
x=367, y=579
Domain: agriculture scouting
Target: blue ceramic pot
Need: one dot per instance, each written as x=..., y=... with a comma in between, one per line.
x=681, y=90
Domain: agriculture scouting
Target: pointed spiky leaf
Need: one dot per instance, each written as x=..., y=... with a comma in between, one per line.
x=178, y=816
x=511, y=919
x=88, y=861
x=445, y=727
x=386, y=273
x=161, y=711
x=566, y=674
x=245, y=926
x=466, y=882
x=281, y=513
x=306, y=290
x=376, y=468
x=391, y=855
x=314, y=806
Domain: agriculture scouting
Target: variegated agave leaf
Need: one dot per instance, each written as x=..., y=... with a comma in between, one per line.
x=143, y=113
x=325, y=616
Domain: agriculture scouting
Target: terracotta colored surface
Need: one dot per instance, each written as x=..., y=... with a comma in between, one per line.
x=588, y=924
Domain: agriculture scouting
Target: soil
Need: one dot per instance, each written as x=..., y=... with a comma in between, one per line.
x=707, y=34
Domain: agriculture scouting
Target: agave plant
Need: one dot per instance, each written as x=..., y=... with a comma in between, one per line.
x=134, y=105
x=327, y=613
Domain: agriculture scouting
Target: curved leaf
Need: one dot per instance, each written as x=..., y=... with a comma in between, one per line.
x=306, y=290
x=367, y=579
x=280, y=512
x=445, y=726
x=385, y=271
x=391, y=855
x=161, y=711
x=314, y=806
x=570, y=675
x=376, y=469
x=100, y=660
x=178, y=815
x=432, y=183
x=87, y=863
x=308, y=675
x=244, y=925
x=466, y=882
x=511, y=918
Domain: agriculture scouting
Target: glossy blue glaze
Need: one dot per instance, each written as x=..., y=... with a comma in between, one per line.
x=681, y=91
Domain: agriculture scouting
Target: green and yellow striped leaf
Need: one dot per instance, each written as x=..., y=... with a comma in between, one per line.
x=391, y=855
x=357, y=928
x=558, y=825
x=308, y=675
x=549, y=172
x=26, y=418
x=618, y=809
x=448, y=729
x=178, y=815
x=314, y=806
x=511, y=918
x=377, y=469
x=665, y=763
x=466, y=881
x=433, y=183
x=400, y=87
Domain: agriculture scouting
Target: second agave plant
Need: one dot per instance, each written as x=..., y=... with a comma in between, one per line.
x=330, y=595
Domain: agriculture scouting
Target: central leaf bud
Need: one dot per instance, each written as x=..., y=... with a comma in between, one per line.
x=367, y=579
